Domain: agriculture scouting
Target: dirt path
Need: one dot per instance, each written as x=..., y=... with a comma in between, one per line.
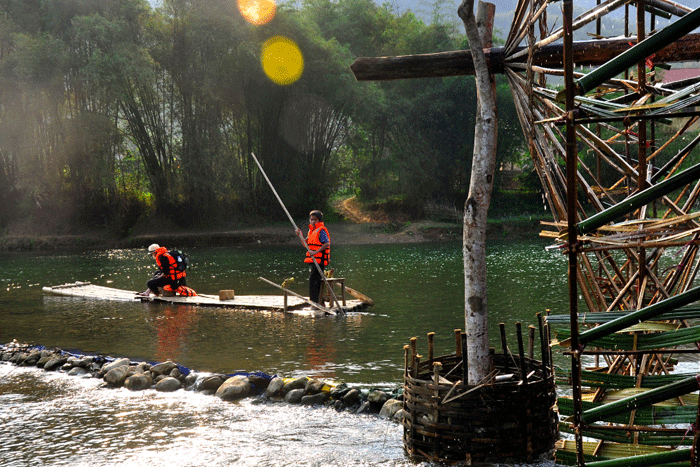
x=350, y=208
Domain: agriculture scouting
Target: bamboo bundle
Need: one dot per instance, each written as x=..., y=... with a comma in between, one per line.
x=655, y=341
x=631, y=318
x=617, y=381
x=623, y=455
x=682, y=313
x=618, y=434
x=650, y=415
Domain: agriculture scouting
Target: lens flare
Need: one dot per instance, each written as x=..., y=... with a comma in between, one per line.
x=257, y=12
x=282, y=60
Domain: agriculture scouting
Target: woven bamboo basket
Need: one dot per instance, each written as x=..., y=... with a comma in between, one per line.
x=504, y=420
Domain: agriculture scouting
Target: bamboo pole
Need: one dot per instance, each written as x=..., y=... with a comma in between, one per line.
x=296, y=229
x=637, y=316
x=639, y=52
x=668, y=458
x=644, y=399
x=638, y=200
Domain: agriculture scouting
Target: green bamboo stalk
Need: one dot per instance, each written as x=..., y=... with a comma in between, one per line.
x=677, y=455
x=652, y=415
x=616, y=381
x=641, y=400
x=638, y=53
x=653, y=341
x=598, y=318
x=638, y=316
x=638, y=200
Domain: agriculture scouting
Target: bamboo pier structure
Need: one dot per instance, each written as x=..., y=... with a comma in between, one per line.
x=613, y=146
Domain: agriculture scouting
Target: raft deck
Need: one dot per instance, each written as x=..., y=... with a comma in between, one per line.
x=274, y=303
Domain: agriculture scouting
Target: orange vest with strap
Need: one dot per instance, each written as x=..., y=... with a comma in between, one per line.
x=168, y=264
x=314, y=242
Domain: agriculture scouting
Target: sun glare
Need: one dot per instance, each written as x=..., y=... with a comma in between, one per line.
x=257, y=12
x=282, y=60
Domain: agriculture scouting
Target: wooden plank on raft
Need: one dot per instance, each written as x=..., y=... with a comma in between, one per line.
x=313, y=304
x=295, y=305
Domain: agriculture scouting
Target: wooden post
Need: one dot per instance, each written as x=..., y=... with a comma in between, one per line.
x=437, y=367
x=405, y=359
x=531, y=342
x=431, y=340
x=465, y=363
x=521, y=352
x=458, y=343
x=504, y=345
x=413, y=351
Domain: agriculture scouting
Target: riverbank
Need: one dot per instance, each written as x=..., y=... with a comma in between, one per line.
x=343, y=232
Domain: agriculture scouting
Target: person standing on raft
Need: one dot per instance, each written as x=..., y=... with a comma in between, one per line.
x=168, y=276
x=319, y=242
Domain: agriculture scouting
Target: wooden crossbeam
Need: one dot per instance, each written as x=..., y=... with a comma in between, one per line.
x=459, y=62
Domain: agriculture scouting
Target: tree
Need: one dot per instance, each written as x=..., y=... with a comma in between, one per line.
x=477, y=203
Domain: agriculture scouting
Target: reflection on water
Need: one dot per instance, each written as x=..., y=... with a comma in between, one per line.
x=57, y=420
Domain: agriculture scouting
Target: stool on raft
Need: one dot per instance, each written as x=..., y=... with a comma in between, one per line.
x=326, y=293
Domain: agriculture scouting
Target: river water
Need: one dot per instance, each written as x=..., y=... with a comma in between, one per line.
x=54, y=419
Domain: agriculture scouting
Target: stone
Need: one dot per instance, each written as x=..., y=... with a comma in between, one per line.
x=377, y=397
x=365, y=407
x=19, y=358
x=43, y=360
x=190, y=379
x=107, y=367
x=142, y=367
x=299, y=383
x=175, y=373
x=168, y=384
x=6, y=356
x=85, y=362
x=210, y=383
x=163, y=368
x=352, y=396
x=318, y=398
x=294, y=396
x=390, y=407
x=55, y=363
x=259, y=383
x=77, y=371
x=138, y=382
x=234, y=388
x=116, y=376
x=314, y=386
x=400, y=415
x=275, y=387
x=32, y=359
x=158, y=378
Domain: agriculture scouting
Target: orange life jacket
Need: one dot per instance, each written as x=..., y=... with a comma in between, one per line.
x=314, y=242
x=168, y=265
x=181, y=290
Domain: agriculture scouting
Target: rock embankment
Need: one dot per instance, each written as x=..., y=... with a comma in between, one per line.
x=169, y=376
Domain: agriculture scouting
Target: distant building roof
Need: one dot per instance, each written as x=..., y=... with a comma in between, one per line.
x=677, y=74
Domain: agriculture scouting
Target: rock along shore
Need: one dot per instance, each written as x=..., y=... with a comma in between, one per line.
x=169, y=377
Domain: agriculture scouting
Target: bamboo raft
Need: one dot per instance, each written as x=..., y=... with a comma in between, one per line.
x=273, y=303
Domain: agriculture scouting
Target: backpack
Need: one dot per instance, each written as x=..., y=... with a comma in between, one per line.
x=183, y=262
